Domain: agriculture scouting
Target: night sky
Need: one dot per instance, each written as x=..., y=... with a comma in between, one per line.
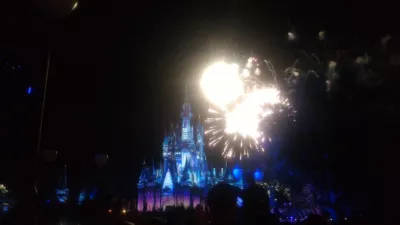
x=119, y=68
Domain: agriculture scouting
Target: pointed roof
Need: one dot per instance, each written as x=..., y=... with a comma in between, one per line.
x=63, y=178
x=166, y=140
x=143, y=174
x=186, y=94
x=154, y=167
x=168, y=180
x=199, y=124
x=187, y=165
x=186, y=107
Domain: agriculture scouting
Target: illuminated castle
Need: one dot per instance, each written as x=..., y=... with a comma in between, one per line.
x=183, y=178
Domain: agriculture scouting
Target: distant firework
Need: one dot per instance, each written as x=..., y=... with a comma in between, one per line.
x=241, y=106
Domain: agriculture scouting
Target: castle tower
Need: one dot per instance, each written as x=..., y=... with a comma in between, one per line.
x=165, y=146
x=65, y=176
x=143, y=175
x=186, y=116
x=200, y=138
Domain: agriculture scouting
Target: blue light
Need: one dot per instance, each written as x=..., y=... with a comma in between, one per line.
x=48, y=201
x=81, y=198
x=29, y=90
x=62, y=195
x=237, y=173
x=239, y=202
x=258, y=176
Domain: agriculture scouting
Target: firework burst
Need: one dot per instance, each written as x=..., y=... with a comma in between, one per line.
x=241, y=107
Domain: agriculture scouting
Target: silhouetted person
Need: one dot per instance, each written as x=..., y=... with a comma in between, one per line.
x=190, y=217
x=222, y=200
x=154, y=221
x=315, y=220
x=176, y=216
x=256, y=206
x=200, y=217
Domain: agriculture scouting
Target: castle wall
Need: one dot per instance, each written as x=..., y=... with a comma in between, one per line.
x=184, y=196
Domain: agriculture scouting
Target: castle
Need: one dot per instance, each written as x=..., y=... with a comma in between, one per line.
x=183, y=178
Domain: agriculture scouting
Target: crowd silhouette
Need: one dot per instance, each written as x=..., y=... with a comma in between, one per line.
x=221, y=209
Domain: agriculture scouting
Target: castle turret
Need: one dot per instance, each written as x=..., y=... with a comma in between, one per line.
x=154, y=170
x=143, y=175
x=186, y=116
x=200, y=133
x=65, y=176
x=165, y=146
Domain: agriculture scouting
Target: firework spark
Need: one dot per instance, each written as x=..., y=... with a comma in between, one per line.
x=241, y=106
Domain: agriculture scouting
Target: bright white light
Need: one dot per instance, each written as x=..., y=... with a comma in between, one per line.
x=76, y=4
x=221, y=84
x=245, y=118
x=291, y=36
x=332, y=64
x=3, y=189
x=321, y=35
x=246, y=73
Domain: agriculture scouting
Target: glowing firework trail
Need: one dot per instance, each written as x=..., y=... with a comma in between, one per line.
x=241, y=104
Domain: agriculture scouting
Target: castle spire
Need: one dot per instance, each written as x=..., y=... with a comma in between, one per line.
x=186, y=94
x=186, y=116
x=154, y=168
x=65, y=175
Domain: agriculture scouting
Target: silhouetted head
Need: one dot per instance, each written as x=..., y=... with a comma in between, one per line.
x=255, y=201
x=315, y=220
x=154, y=221
x=222, y=203
x=199, y=208
x=176, y=216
